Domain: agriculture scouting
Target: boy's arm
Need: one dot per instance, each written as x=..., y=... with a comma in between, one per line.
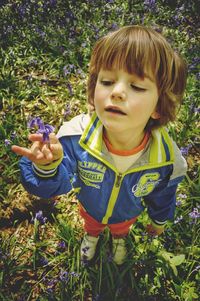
x=161, y=208
x=45, y=183
x=44, y=172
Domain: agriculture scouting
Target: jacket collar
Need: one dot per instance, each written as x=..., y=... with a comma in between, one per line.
x=160, y=146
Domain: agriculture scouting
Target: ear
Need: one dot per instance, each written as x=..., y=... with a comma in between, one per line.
x=155, y=115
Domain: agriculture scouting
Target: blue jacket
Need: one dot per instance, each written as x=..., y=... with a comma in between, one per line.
x=107, y=195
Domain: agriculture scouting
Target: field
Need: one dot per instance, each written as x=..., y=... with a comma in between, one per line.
x=44, y=54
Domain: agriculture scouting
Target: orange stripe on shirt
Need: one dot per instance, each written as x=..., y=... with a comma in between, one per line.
x=133, y=151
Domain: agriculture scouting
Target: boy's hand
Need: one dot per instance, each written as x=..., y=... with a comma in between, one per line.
x=40, y=152
x=154, y=231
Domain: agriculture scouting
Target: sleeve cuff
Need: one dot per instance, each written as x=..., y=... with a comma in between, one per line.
x=50, y=166
x=46, y=171
x=158, y=224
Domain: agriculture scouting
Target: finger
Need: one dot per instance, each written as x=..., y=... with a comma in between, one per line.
x=53, y=139
x=55, y=148
x=35, y=137
x=22, y=151
x=47, y=152
x=36, y=150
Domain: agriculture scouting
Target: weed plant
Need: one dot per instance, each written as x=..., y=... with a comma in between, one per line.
x=44, y=56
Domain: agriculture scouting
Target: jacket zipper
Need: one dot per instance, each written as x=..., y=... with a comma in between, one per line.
x=118, y=180
x=113, y=197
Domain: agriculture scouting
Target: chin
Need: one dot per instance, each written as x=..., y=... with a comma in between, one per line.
x=112, y=128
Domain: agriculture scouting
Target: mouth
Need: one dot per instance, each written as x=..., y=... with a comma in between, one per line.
x=114, y=110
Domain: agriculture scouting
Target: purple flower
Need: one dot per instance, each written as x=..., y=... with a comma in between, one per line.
x=151, y=4
x=178, y=203
x=67, y=110
x=74, y=274
x=53, y=2
x=178, y=219
x=185, y=150
x=61, y=245
x=40, y=32
x=13, y=135
x=64, y=276
x=35, y=122
x=44, y=129
x=194, y=214
x=43, y=261
x=7, y=142
x=65, y=71
x=40, y=218
x=182, y=196
x=69, y=87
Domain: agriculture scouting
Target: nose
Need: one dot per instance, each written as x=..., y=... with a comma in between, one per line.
x=118, y=93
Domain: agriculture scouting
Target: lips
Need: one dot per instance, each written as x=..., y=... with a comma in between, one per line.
x=114, y=110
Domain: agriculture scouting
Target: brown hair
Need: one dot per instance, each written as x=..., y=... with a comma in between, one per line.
x=139, y=49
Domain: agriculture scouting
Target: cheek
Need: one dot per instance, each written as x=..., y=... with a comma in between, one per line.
x=143, y=107
x=99, y=96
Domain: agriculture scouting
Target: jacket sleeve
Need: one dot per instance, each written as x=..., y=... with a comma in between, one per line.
x=161, y=206
x=161, y=203
x=49, y=183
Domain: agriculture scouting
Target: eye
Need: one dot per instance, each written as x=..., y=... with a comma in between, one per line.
x=138, y=89
x=106, y=82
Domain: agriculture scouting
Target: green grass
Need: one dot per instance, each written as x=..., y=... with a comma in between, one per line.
x=44, y=56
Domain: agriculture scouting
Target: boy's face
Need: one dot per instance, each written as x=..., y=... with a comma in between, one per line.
x=124, y=102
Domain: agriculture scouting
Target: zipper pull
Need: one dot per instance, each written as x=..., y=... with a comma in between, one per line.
x=118, y=181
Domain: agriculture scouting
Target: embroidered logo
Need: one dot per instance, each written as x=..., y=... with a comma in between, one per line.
x=146, y=184
x=91, y=173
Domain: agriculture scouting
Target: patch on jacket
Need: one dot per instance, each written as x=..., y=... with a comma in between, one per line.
x=146, y=184
x=91, y=173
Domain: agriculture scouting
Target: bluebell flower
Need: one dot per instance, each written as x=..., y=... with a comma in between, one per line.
x=35, y=122
x=178, y=203
x=40, y=32
x=7, y=142
x=44, y=129
x=182, y=196
x=194, y=214
x=185, y=150
x=65, y=71
x=64, y=276
x=13, y=135
x=197, y=268
x=150, y=4
x=39, y=216
x=43, y=261
x=69, y=86
x=74, y=274
x=53, y=2
x=62, y=245
x=178, y=219
x=67, y=110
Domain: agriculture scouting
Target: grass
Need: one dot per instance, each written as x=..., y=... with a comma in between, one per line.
x=44, y=55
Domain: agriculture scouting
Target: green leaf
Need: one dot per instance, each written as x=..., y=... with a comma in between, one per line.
x=174, y=269
x=177, y=260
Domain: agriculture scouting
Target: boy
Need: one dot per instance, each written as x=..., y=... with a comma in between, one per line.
x=120, y=155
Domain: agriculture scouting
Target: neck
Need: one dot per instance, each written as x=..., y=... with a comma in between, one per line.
x=126, y=142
